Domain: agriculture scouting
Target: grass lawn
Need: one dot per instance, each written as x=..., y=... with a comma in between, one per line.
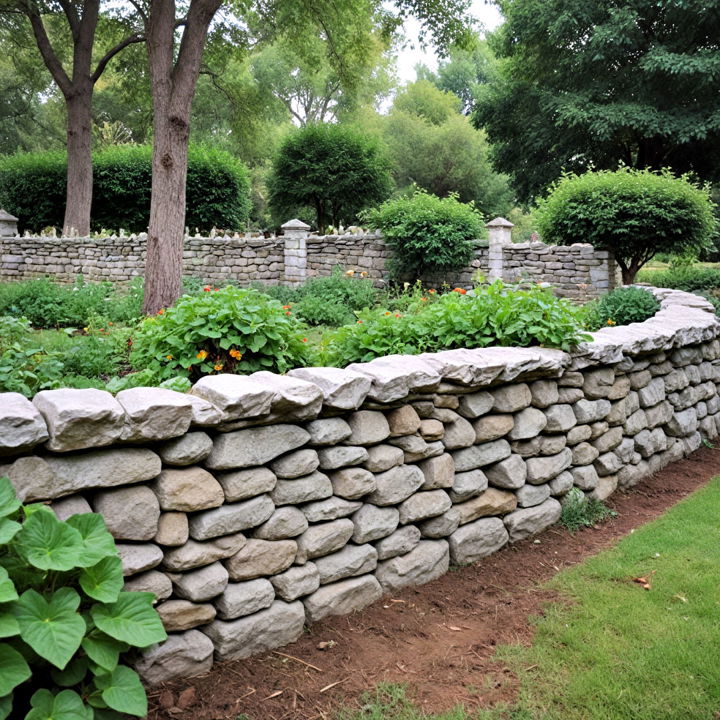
x=618, y=651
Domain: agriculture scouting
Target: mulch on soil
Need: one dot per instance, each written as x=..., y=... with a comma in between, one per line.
x=438, y=639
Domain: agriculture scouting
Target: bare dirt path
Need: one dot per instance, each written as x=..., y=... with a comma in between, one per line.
x=438, y=639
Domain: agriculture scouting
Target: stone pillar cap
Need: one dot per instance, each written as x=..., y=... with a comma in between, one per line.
x=5, y=215
x=499, y=222
x=295, y=224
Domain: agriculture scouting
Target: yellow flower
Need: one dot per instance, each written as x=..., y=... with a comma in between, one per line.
x=363, y=273
x=350, y=273
x=235, y=354
x=611, y=322
x=168, y=357
x=202, y=355
x=217, y=367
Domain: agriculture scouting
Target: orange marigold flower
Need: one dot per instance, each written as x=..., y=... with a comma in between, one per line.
x=217, y=367
x=349, y=273
x=206, y=288
x=287, y=312
x=423, y=299
x=286, y=307
x=304, y=339
x=398, y=315
x=432, y=292
x=109, y=323
x=161, y=311
x=235, y=354
x=611, y=322
x=460, y=291
x=216, y=289
x=388, y=313
x=168, y=357
x=359, y=322
x=363, y=273
x=202, y=355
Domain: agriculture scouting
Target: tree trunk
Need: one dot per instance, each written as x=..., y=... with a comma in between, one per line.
x=79, y=168
x=166, y=234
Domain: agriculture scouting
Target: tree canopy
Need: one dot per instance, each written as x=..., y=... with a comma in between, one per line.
x=586, y=84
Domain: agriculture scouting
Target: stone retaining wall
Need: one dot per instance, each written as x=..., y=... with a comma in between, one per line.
x=256, y=504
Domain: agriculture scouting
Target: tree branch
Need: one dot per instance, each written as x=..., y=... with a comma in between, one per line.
x=50, y=58
x=110, y=54
x=72, y=17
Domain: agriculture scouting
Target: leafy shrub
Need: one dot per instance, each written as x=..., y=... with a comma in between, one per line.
x=633, y=213
x=228, y=330
x=427, y=233
x=581, y=511
x=32, y=186
x=622, y=306
x=690, y=278
x=496, y=315
x=64, y=618
x=49, y=304
x=327, y=173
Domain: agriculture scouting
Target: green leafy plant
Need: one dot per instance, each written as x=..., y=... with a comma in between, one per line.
x=690, y=278
x=427, y=233
x=622, y=306
x=227, y=330
x=580, y=511
x=633, y=213
x=64, y=618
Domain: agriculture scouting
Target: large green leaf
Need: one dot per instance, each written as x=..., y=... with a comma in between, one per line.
x=72, y=675
x=8, y=530
x=13, y=669
x=102, y=649
x=132, y=619
x=98, y=543
x=53, y=629
x=123, y=691
x=47, y=543
x=66, y=705
x=7, y=589
x=5, y=706
x=104, y=580
x=9, y=502
x=8, y=624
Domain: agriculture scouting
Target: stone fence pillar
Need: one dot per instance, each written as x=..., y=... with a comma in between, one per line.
x=499, y=235
x=295, y=233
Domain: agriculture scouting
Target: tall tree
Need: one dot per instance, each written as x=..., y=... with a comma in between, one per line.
x=76, y=78
x=589, y=84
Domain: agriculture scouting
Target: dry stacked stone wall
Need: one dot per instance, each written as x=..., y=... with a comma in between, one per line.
x=257, y=504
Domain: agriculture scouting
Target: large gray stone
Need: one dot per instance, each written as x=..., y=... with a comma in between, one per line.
x=254, y=446
x=130, y=513
x=296, y=582
x=78, y=419
x=474, y=405
x=244, y=598
x=258, y=558
x=635, y=423
x=296, y=464
x=439, y=472
x=544, y=393
x=328, y=431
x=330, y=509
x=152, y=581
x=529, y=423
x=94, y=469
x=138, y=557
x=352, y=483
x=468, y=485
x=509, y=473
x=350, y=561
x=543, y=469
x=492, y=427
x=585, y=477
x=285, y=522
x=323, y=539
x=403, y=421
x=295, y=398
x=396, y=485
x=489, y=502
x=204, y=413
x=481, y=455
x=368, y=427
x=589, y=411
x=477, y=540
x=153, y=413
x=182, y=655
x=440, y=526
x=423, y=505
x=342, y=597
x=21, y=425
x=196, y=554
x=384, y=457
x=458, y=434
x=597, y=383
x=373, y=522
x=402, y=541
x=68, y=506
x=431, y=430
x=683, y=423
x=179, y=615
x=315, y=486
x=583, y=454
x=652, y=393
x=202, y=584
x=561, y=484
x=188, y=490
x=530, y=521
x=236, y=396
x=189, y=449
x=511, y=398
x=332, y=458
x=244, y=484
x=609, y=440
x=530, y=495
x=560, y=419
x=428, y=561
x=342, y=389
x=172, y=529
x=278, y=625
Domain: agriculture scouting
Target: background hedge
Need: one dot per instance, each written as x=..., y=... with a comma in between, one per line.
x=32, y=187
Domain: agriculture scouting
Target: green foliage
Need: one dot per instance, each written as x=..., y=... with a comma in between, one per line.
x=228, y=330
x=496, y=315
x=329, y=173
x=622, y=306
x=580, y=511
x=49, y=304
x=633, y=213
x=426, y=233
x=64, y=619
x=32, y=186
x=692, y=278
x=590, y=84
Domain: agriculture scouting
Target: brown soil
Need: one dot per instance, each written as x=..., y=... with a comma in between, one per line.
x=438, y=639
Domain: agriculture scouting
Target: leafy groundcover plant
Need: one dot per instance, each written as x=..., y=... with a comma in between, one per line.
x=64, y=619
x=622, y=306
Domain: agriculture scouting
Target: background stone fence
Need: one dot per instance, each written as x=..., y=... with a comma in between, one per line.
x=254, y=505
x=577, y=271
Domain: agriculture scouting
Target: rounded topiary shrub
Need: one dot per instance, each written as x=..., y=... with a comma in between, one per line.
x=633, y=213
x=622, y=306
x=427, y=234
x=32, y=187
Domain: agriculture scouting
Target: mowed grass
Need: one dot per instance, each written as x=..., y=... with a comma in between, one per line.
x=614, y=650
